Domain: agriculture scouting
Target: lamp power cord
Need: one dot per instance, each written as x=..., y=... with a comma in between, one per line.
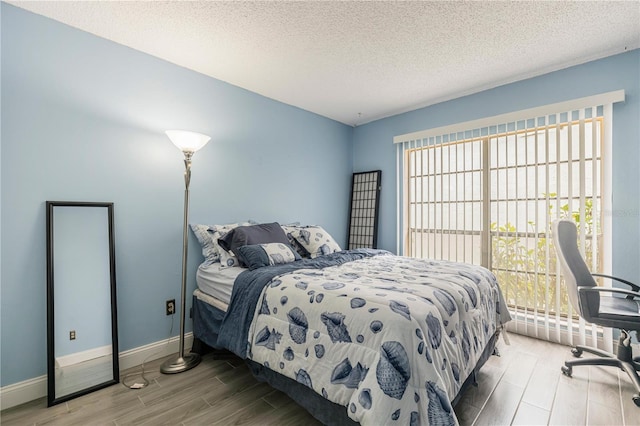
x=145, y=381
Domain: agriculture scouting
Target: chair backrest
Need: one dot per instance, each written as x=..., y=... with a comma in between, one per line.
x=574, y=269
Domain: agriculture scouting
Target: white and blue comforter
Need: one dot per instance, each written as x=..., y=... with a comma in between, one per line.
x=390, y=338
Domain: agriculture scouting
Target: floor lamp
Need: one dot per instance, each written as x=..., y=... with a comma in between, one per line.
x=188, y=143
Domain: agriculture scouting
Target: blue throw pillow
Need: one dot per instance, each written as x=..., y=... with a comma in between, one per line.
x=258, y=255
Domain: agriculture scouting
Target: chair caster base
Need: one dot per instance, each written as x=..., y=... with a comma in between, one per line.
x=567, y=371
x=576, y=352
x=636, y=400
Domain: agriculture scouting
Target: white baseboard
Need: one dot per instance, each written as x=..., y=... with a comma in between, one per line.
x=19, y=393
x=135, y=357
x=78, y=357
x=29, y=390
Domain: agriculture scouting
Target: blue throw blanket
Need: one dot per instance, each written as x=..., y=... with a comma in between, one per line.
x=249, y=285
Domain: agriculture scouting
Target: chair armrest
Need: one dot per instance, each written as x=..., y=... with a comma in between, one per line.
x=633, y=286
x=630, y=294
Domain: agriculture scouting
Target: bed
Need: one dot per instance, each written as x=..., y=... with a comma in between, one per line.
x=354, y=336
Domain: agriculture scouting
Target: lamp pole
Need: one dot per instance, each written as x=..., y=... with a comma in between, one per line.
x=185, y=141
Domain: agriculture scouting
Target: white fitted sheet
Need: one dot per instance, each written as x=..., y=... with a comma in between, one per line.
x=217, y=281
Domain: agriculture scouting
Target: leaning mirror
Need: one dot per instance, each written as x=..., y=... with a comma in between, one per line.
x=82, y=331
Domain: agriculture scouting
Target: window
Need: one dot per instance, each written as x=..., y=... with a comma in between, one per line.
x=488, y=196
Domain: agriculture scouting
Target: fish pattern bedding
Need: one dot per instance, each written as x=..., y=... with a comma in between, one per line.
x=390, y=338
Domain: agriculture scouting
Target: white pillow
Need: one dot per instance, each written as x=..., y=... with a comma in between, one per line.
x=289, y=229
x=315, y=240
x=227, y=258
x=207, y=236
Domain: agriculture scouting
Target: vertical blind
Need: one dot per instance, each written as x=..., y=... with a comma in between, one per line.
x=486, y=192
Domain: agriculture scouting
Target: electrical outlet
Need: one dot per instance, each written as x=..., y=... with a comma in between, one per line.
x=171, y=307
x=72, y=335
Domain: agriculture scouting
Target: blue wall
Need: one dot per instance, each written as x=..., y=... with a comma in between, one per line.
x=373, y=143
x=84, y=119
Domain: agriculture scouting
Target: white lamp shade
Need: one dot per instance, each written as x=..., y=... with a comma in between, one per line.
x=187, y=141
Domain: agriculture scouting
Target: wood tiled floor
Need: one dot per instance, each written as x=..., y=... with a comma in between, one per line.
x=523, y=386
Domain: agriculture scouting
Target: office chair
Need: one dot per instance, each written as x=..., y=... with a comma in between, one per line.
x=598, y=306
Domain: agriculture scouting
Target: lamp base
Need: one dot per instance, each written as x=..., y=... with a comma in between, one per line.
x=178, y=364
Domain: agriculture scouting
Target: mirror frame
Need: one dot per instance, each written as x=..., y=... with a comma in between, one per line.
x=51, y=388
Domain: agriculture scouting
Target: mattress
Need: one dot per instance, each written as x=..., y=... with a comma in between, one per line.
x=217, y=281
x=210, y=300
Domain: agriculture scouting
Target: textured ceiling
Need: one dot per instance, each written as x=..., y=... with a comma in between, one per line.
x=357, y=61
